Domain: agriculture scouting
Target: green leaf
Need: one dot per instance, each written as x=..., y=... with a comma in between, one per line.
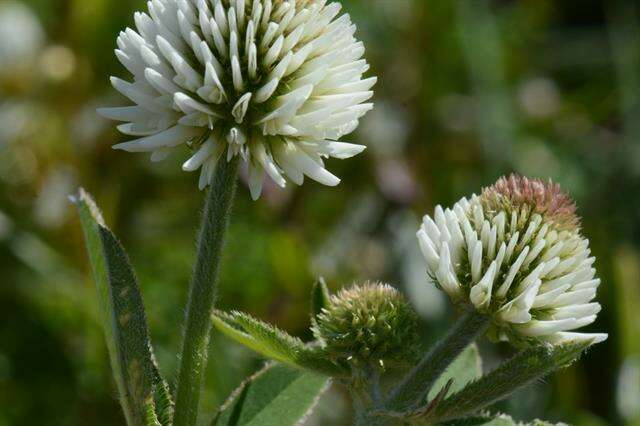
x=524, y=368
x=274, y=343
x=277, y=395
x=466, y=368
x=123, y=315
x=152, y=418
x=258, y=336
x=319, y=297
x=162, y=398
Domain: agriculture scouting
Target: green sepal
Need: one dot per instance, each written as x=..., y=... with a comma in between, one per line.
x=274, y=343
x=277, y=395
x=123, y=316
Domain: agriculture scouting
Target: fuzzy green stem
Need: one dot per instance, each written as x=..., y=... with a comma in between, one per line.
x=416, y=385
x=203, y=292
x=524, y=368
x=367, y=400
x=366, y=417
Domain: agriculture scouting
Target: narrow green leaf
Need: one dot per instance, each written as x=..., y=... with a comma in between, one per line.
x=274, y=343
x=524, y=368
x=277, y=395
x=276, y=340
x=162, y=398
x=466, y=368
x=152, y=418
x=258, y=336
x=319, y=297
x=122, y=312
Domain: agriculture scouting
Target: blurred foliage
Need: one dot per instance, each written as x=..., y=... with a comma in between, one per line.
x=468, y=90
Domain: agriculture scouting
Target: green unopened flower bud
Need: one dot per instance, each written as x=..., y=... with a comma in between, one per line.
x=368, y=324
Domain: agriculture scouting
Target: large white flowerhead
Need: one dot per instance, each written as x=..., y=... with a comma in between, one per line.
x=277, y=82
x=515, y=253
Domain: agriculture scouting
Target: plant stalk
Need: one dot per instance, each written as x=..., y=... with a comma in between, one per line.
x=367, y=400
x=203, y=291
x=416, y=385
x=524, y=368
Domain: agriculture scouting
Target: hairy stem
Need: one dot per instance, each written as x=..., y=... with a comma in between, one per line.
x=203, y=291
x=524, y=368
x=415, y=386
x=370, y=418
x=367, y=400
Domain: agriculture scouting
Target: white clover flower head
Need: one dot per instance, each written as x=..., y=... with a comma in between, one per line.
x=516, y=253
x=277, y=82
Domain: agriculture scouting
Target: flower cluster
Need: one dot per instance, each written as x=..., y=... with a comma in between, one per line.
x=276, y=82
x=368, y=324
x=516, y=253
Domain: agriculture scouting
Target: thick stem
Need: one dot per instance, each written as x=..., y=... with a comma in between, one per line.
x=415, y=386
x=203, y=292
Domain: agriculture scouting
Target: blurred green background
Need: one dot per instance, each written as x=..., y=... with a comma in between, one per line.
x=468, y=91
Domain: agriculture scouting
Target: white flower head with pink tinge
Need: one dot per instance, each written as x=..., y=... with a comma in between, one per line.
x=515, y=252
x=276, y=82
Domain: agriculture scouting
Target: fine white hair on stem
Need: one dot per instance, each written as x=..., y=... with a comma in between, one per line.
x=277, y=82
x=515, y=252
